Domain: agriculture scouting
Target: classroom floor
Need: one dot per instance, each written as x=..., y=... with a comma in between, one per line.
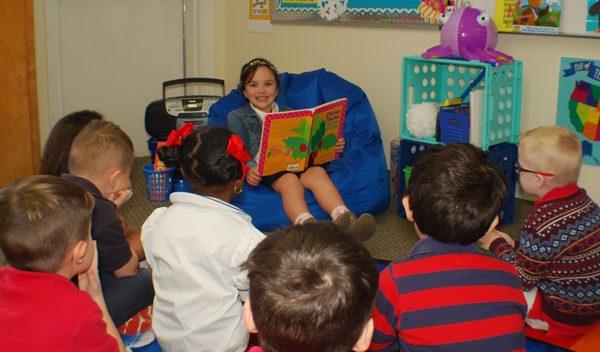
x=392, y=240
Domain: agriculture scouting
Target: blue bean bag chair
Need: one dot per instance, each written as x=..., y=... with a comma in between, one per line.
x=360, y=173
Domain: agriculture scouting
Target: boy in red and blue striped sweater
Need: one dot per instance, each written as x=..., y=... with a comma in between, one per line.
x=447, y=296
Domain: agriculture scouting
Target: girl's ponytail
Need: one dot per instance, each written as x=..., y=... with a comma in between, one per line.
x=170, y=153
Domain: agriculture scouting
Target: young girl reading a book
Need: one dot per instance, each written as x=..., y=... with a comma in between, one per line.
x=195, y=247
x=259, y=81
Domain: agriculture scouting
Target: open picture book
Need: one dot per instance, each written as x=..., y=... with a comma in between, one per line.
x=294, y=140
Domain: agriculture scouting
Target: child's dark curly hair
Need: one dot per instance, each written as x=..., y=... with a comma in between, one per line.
x=203, y=158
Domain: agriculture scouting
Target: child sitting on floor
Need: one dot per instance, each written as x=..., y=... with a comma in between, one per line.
x=447, y=296
x=311, y=290
x=55, y=158
x=100, y=160
x=195, y=247
x=45, y=236
x=557, y=252
x=259, y=81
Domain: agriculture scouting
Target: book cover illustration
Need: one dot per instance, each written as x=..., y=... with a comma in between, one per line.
x=578, y=107
x=528, y=16
x=294, y=140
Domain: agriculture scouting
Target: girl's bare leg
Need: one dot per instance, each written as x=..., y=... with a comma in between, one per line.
x=292, y=194
x=315, y=179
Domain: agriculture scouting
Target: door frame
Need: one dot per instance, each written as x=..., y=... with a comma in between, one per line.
x=198, y=50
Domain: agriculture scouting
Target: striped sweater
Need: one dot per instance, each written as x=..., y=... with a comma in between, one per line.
x=448, y=297
x=559, y=253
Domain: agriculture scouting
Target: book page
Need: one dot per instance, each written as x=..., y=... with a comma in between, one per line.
x=327, y=128
x=284, y=142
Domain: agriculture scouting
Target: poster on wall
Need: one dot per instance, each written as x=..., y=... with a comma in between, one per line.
x=592, y=22
x=578, y=106
x=424, y=12
x=259, y=16
x=528, y=16
x=259, y=10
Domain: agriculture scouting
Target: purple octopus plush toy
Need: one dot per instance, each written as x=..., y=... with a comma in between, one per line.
x=468, y=33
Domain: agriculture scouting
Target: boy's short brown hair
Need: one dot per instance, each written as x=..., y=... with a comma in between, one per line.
x=99, y=146
x=552, y=149
x=42, y=217
x=312, y=288
x=455, y=193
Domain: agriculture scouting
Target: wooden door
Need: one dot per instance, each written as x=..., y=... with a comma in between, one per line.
x=19, y=139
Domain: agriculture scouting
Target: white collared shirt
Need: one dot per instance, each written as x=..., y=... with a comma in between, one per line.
x=261, y=116
x=195, y=248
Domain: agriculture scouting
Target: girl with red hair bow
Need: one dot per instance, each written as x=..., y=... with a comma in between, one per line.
x=195, y=247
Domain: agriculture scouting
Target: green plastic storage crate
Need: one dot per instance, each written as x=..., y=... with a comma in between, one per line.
x=437, y=80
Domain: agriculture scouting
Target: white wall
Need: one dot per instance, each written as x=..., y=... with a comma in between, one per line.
x=111, y=56
x=371, y=58
x=368, y=56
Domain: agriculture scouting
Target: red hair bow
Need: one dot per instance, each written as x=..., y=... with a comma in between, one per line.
x=176, y=137
x=235, y=148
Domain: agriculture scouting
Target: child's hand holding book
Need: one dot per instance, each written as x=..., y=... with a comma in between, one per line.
x=253, y=177
x=341, y=144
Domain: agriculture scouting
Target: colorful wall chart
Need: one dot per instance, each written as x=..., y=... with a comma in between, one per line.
x=361, y=11
x=578, y=105
x=518, y=16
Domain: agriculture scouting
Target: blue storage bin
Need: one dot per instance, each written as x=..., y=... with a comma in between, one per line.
x=438, y=80
x=409, y=152
x=454, y=124
x=504, y=156
x=158, y=182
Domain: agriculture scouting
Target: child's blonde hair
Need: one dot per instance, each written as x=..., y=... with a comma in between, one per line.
x=98, y=147
x=552, y=149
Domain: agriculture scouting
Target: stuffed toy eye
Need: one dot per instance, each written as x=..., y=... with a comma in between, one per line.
x=443, y=18
x=483, y=19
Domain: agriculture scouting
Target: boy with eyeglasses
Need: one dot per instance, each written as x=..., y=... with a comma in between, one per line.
x=558, y=252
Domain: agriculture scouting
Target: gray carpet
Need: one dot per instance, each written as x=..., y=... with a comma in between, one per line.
x=392, y=240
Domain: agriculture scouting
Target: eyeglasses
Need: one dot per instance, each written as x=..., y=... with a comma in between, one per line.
x=519, y=169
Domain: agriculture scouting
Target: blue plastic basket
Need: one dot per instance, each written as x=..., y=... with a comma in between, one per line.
x=158, y=182
x=436, y=80
x=454, y=124
x=505, y=156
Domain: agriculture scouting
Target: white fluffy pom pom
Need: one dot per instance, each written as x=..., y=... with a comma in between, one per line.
x=421, y=118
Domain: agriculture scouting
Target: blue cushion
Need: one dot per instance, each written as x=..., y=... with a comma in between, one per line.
x=360, y=174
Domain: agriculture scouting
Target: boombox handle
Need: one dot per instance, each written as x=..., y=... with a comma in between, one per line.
x=184, y=81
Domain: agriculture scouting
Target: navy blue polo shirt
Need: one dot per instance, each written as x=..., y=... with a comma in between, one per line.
x=107, y=231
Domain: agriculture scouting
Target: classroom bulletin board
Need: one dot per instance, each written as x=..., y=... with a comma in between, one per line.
x=552, y=17
x=352, y=11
